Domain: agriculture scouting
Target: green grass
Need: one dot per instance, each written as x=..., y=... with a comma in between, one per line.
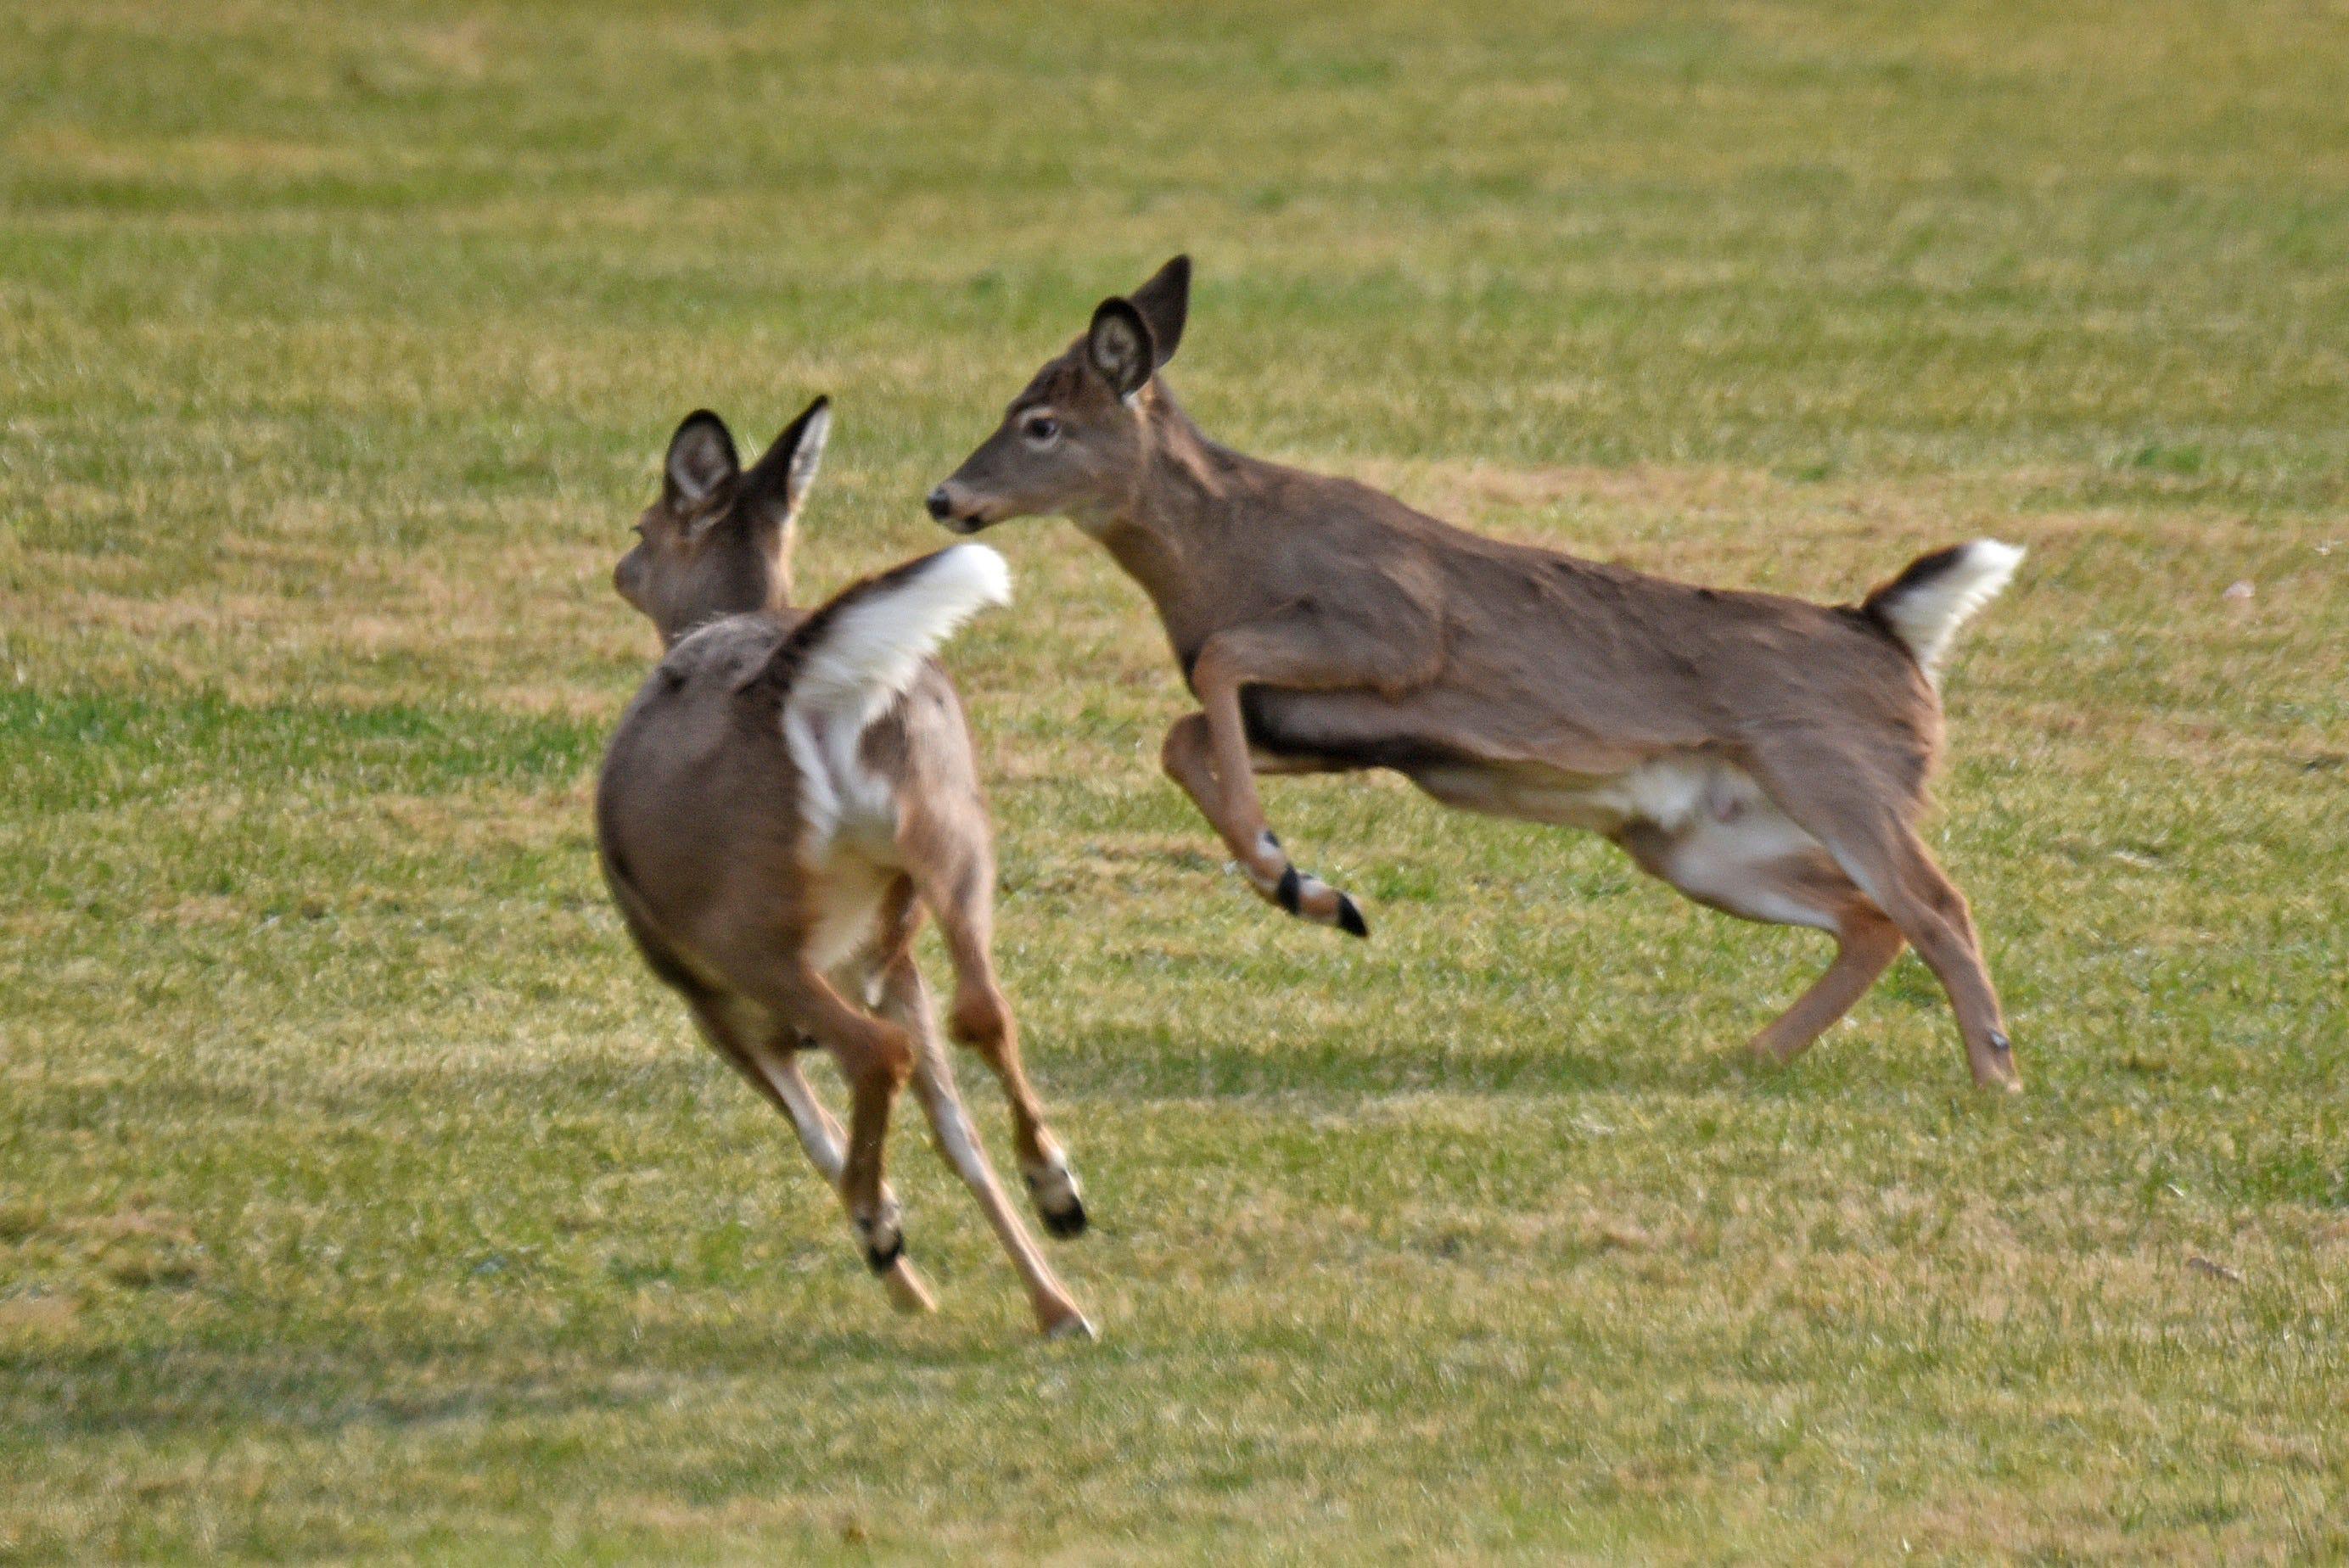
x=360, y=1195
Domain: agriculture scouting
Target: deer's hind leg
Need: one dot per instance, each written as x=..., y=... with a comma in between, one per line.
x=1743, y=857
x=958, y=889
x=905, y=1002
x=760, y=1043
x=766, y=1054
x=1866, y=945
x=876, y=1058
x=1865, y=819
x=1886, y=856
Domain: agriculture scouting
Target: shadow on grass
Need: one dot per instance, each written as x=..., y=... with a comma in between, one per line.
x=1139, y=1062
x=1154, y=1063
x=409, y=1384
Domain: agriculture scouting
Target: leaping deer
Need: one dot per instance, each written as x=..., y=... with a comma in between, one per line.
x=1765, y=755
x=786, y=796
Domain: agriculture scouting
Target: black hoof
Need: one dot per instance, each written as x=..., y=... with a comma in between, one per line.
x=882, y=1260
x=1290, y=890
x=1349, y=918
x=1070, y=1222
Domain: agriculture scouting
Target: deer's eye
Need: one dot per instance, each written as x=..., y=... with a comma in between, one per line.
x=1041, y=429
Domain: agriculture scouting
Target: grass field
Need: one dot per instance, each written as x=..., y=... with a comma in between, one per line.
x=360, y=1195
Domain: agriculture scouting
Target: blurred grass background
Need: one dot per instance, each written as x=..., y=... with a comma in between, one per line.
x=360, y=1195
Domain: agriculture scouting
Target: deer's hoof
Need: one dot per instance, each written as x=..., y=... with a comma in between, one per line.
x=1995, y=1068
x=1349, y=918
x=908, y=1291
x=1052, y=1188
x=1073, y=1324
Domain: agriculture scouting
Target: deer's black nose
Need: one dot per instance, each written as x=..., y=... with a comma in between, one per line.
x=940, y=507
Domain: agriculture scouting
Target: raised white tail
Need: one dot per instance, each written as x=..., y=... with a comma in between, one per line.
x=867, y=646
x=1926, y=605
x=843, y=665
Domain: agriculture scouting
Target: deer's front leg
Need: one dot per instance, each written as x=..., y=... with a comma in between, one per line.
x=1208, y=755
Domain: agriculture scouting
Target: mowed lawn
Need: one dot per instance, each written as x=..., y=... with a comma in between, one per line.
x=361, y=1196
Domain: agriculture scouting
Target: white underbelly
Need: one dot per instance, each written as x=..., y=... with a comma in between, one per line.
x=1744, y=864
x=1666, y=792
x=1702, y=824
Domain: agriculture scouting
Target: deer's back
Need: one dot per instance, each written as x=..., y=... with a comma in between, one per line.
x=701, y=811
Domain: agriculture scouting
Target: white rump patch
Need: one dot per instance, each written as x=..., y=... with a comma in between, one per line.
x=848, y=892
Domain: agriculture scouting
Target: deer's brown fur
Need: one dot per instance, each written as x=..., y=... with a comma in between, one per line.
x=1765, y=756
x=784, y=798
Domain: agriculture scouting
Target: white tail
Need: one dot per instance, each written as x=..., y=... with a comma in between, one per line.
x=867, y=646
x=1926, y=605
x=850, y=660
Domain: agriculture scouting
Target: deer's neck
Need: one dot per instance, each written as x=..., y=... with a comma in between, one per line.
x=1180, y=533
x=748, y=575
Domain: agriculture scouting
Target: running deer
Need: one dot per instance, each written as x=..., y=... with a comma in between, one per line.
x=1765, y=755
x=783, y=799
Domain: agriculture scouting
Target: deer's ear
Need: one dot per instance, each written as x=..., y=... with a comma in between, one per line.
x=701, y=460
x=780, y=480
x=1164, y=303
x=1120, y=348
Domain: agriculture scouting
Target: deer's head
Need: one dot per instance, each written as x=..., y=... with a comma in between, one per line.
x=1075, y=443
x=719, y=540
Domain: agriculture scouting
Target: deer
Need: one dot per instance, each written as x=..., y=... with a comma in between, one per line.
x=787, y=797
x=1765, y=756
